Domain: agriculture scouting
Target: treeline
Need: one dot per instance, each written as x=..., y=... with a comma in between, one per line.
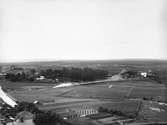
x=19, y=77
x=159, y=76
x=130, y=74
x=75, y=74
x=63, y=75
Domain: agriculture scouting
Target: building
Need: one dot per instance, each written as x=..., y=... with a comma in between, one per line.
x=143, y=74
x=40, y=78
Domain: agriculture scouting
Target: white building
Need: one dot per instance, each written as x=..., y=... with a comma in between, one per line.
x=40, y=78
x=144, y=74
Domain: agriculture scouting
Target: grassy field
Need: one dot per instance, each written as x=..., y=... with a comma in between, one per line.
x=118, y=90
x=147, y=92
x=111, y=95
x=18, y=85
x=107, y=90
x=127, y=107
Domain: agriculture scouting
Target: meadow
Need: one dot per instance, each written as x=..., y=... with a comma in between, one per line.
x=124, y=96
x=105, y=90
x=119, y=90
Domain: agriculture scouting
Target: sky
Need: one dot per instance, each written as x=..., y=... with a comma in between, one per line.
x=39, y=30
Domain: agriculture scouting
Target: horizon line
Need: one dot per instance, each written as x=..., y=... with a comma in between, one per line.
x=83, y=60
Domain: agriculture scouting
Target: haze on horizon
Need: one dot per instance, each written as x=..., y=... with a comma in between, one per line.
x=33, y=30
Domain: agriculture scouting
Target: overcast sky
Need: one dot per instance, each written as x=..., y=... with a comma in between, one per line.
x=33, y=30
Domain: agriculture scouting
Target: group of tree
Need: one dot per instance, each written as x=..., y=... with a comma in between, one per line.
x=130, y=74
x=40, y=117
x=159, y=76
x=18, y=77
x=8, y=111
x=75, y=74
x=49, y=118
x=118, y=112
x=64, y=74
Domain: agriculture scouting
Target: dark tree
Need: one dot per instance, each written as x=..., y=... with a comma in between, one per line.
x=47, y=118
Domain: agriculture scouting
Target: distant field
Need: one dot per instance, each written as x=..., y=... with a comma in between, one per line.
x=15, y=85
x=111, y=95
x=138, y=92
x=78, y=96
x=119, y=90
x=47, y=94
x=108, y=90
x=98, y=92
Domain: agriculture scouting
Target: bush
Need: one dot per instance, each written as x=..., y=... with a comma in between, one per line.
x=116, y=112
x=26, y=106
x=48, y=118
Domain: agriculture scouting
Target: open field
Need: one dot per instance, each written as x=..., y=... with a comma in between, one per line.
x=122, y=96
x=108, y=90
x=119, y=90
x=123, y=106
x=20, y=85
x=147, y=92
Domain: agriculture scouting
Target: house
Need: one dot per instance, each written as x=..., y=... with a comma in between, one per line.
x=40, y=78
x=143, y=74
x=43, y=79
